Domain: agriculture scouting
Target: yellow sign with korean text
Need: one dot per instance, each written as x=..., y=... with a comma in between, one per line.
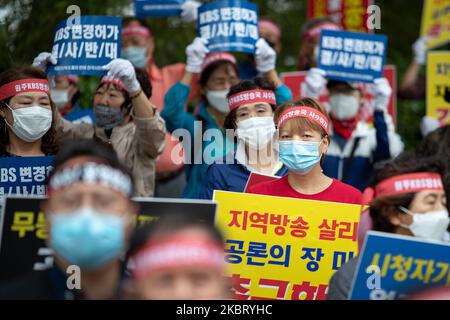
x=438, y=86
x=436, y=22
x=284, y=248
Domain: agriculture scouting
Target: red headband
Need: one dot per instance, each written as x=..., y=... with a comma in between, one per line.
x=71, y=77
x=251, y=96
x=305, y=112
x=91, y=173
x=108, y=79
x=217, y=56
x=405, y=183
x=271, y=26
x=315, y=32
x=177, y=252
x=21, y=86
x=136, y=31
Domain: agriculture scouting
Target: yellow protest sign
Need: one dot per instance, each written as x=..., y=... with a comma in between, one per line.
x=438, y=86
x=284, y=248
x=436, y=22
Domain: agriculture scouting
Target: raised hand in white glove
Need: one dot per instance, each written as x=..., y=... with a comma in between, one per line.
x=315, y=82
x=189, y=10
x=420, y=50
x=265, y=56
x=383, y=93
x=196, y=53
x=43, y=59
x=123, y=71
x=428, y=124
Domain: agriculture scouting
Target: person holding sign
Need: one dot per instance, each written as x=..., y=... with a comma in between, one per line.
x=218, y=72
x=138, y=46
x=178, y=258
x=407, y=197
x=355, y=146
x=251, y=105
x=304, y=138
x=27, y=124
x=90, y=219
x=125, y=119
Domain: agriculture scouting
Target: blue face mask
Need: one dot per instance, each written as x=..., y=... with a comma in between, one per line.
x=136, y=55
x=299, y=156
x=87, y=238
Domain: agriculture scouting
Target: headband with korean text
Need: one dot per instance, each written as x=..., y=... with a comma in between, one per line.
x=21, y=86
x=305, y=112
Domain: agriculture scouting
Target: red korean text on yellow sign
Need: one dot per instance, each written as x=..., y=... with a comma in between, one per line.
x=303, y=277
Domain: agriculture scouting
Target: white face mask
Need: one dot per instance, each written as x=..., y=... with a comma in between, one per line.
x=343, y=106
x=256, y=132
x=430, y=225
x=59, y=97
x=218, y=100
x=30, y=123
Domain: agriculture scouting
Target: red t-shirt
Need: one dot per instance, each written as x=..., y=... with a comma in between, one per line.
x=336, y=192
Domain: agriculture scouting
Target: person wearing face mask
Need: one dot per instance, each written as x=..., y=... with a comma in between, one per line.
x=304, y=138
x=126, y=120
x=27, y=114
x=252, y=121
x=355, y=145
x=90, y=220
x=406, y=196
x=218, y=72
x=178, y=258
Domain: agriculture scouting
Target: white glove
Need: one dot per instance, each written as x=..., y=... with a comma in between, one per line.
x=428, y=124
x=382, y=93
x=196, y=53
x=420, y=50
x=43, y=59
x=189, y=13
x=315, y=82
x=265, y=56
x=123, y=70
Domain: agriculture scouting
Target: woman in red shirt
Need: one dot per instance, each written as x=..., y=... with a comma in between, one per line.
x=303, y=128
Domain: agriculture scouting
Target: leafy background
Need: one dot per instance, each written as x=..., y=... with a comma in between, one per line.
x=27, y=27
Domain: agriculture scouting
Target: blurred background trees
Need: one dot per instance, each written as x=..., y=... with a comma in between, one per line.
x=27, y=28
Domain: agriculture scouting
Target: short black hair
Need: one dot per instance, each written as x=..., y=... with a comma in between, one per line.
x=89, y=148
x=169, y=224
